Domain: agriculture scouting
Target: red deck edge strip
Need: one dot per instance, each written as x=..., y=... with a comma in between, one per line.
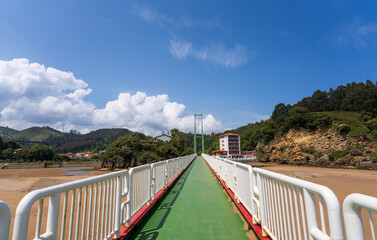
x=245, y=213
x=124, y=231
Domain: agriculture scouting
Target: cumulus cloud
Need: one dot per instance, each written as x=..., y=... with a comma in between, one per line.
x=216, y=53
x=149, y=114
x=31, y=94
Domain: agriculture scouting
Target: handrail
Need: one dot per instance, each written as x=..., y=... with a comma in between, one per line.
x=5, y=217
x=352, y=206
x=287, y=187
x=96, y=207
x=285, y=207
x=54, y=195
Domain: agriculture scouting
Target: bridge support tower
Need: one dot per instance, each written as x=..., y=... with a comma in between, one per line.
x=201, y=135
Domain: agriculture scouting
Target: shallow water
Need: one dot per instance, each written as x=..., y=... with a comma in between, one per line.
x=81, y=171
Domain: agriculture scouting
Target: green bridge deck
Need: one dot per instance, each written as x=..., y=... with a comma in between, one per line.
x=195, y=208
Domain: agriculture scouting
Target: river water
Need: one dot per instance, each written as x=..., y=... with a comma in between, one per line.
x=80, y=171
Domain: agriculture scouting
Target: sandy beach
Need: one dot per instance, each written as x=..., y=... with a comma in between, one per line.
x=341, y=181
x=16, y=183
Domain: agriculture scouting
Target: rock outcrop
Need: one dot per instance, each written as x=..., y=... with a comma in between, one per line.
x=321, y=147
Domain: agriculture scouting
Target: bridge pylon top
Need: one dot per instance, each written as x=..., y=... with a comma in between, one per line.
x=201, y=135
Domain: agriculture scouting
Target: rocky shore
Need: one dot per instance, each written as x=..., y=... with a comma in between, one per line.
x=323, y=147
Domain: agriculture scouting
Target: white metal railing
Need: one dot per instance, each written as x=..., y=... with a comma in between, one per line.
x=352, y=208
x=159, y=177
x=289, y=207
x=93, y=208
x=286, y=207
x=78, y=211
x=96, y=207
x=5, y=217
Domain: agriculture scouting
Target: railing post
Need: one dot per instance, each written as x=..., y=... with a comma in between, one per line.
x=129, y=199
x=252, y=195
x=353, y=221
x=153, y=173
x=235, y=181
x=166, y=173
x=5, y=217
x=150, y=185
x=262, y=204
x=53, y=215
x=118, y=207
x=311, y=214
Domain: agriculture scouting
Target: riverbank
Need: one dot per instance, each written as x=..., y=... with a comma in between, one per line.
x=341, y=181
x=16, y=183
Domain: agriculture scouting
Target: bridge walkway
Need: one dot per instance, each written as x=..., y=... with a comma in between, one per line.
x=196, y=207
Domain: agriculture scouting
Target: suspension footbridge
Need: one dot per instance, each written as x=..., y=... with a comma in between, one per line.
x=190, y=197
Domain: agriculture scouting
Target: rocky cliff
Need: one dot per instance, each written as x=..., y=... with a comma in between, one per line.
x=325, y=146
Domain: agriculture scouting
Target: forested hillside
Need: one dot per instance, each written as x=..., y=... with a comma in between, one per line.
x=139, y=149
x=65, y=142
x=39, y=134
x=354, y=106
x=94, y=141
x=346, y=115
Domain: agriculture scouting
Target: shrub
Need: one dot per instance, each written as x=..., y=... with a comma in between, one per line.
x=283, y=148
x=322, y=121
x=337, y=154
x=344, y=129
x=309, y=149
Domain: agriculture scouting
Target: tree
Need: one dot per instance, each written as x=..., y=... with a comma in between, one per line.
x=281, y=110
x=125, y=151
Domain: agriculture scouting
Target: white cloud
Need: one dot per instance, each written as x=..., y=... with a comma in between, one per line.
x=31, y=94
x=153, y=16
x=216, y=53
x=85, y=131
x=358, y=34
x=180, y=50
x=150, y=114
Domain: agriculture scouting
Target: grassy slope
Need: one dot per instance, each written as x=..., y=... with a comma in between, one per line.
x=36, y=134
x=100, y=138
x=353, y=119
x=6, y=133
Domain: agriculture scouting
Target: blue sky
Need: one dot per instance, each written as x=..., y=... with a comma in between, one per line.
x=230, y=60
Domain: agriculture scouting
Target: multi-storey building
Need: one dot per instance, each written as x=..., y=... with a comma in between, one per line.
x=231, y=143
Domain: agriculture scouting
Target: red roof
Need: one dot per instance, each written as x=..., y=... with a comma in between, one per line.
x=227, y=134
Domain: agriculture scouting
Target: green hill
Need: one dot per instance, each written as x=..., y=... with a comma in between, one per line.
x=66, y=142
x=6, y=132
x=94, y=141
x=351, y=109
x=39, y=134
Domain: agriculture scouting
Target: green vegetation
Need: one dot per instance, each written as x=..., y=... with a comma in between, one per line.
x=94, y=141
x=11, y=151
x=65, y=142
x=373, y=155
x=139, y=149
x=352, y=109
x=309, y=149
x=6, y=131
x=39, y=134
x=337, y=154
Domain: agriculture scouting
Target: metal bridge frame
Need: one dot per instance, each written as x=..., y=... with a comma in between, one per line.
x=200, y=136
